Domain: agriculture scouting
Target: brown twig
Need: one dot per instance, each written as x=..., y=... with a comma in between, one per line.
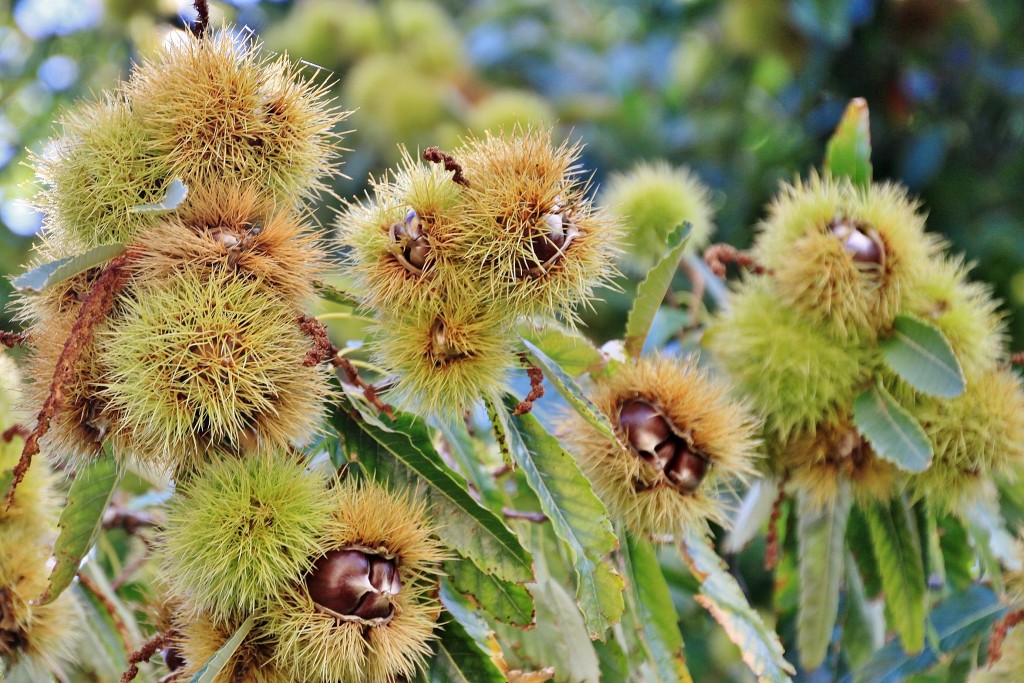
x=1017, y=358
x=199, y=26
x=718, y=256
x=771, y=553
x=109, y=606
x=12, y=339
x=435, y=156
x=143, y=654
x=536, y=391
x=131, y=521
x=95, y=308
x=15, y=430
x=999, y=631
x=323, y=349
x=369, y=391
x=538, y=517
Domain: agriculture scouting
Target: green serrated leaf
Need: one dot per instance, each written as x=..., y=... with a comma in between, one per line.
x=898, y=552
x=570, y=391
x=507, y=602
x=893, y=432
x=174, y=195
x=472, y=530
x=849, y=150
x=723, y=598
x=918, y=352
x=858, y=540
x=821, y=533
x=957, y=556
x=215, y=664
x=49, y=274
x=458, y=659
x=958, y=620
x=864, y=622
x=651, y=292
x=651, y=602
x=81, y=520
x=570, y=350
x=577, y=516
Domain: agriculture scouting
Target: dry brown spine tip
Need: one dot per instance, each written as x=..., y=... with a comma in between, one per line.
x=355, y=584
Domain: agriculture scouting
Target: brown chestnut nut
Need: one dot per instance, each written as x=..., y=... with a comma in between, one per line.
x=645, y=427
x=409, y=242
x=864, y=247
x=687, y=469
x=354, y=583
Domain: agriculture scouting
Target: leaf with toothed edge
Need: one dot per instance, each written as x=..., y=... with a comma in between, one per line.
x=651, y=292
x=570, y=391
x=651, y=601
x=507, y=602
x=459, y=659
x=577, y=515
x=891, y=430
x=81, y=520
x=722, y=596
x=49, y=274
x=472, y=530
x=215, y=664
x=175, y=194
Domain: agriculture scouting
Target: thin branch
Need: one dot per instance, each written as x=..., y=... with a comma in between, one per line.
x=435, y=156
x=999, y=631
x=323, y=349
x=369, y=391
x=109, y=606
x=131, y=521
x=536, y=389
x=718, y=256
x=12, y=339
x=771, y=553
x=94, y=310
x=15, y=430
x=143, y=654
x=1017, y=358
x=202, y=22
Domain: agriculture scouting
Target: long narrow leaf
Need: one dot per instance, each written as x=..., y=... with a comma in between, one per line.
x=651, y=292
x=652, y=603
x=458, y=659
x=821, y=534
x=81, y=520
x=49, y=274
x=893, y=432
x=215, y=664
x=472, y=530
x=577, y=516
x=722, y=596
x=919, y=353
x=507, y=602
x=899, y=558
x=849, y=150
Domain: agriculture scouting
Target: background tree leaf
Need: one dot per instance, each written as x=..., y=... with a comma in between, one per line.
x=459, y=659
x=174, y=195
x=54, y=272
x=508, y=602
x=918, y=352
x=723, y=598
x=211, y=670
x=848, y=154
x=651, y=292
x=570, y=391
x=893, y=432
x=570, y=350
x=472, y=530
x=651, y=604
x=957, y=621
x=577, y=516
x=898, y=552
x=821, y=534
x=81, y=520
